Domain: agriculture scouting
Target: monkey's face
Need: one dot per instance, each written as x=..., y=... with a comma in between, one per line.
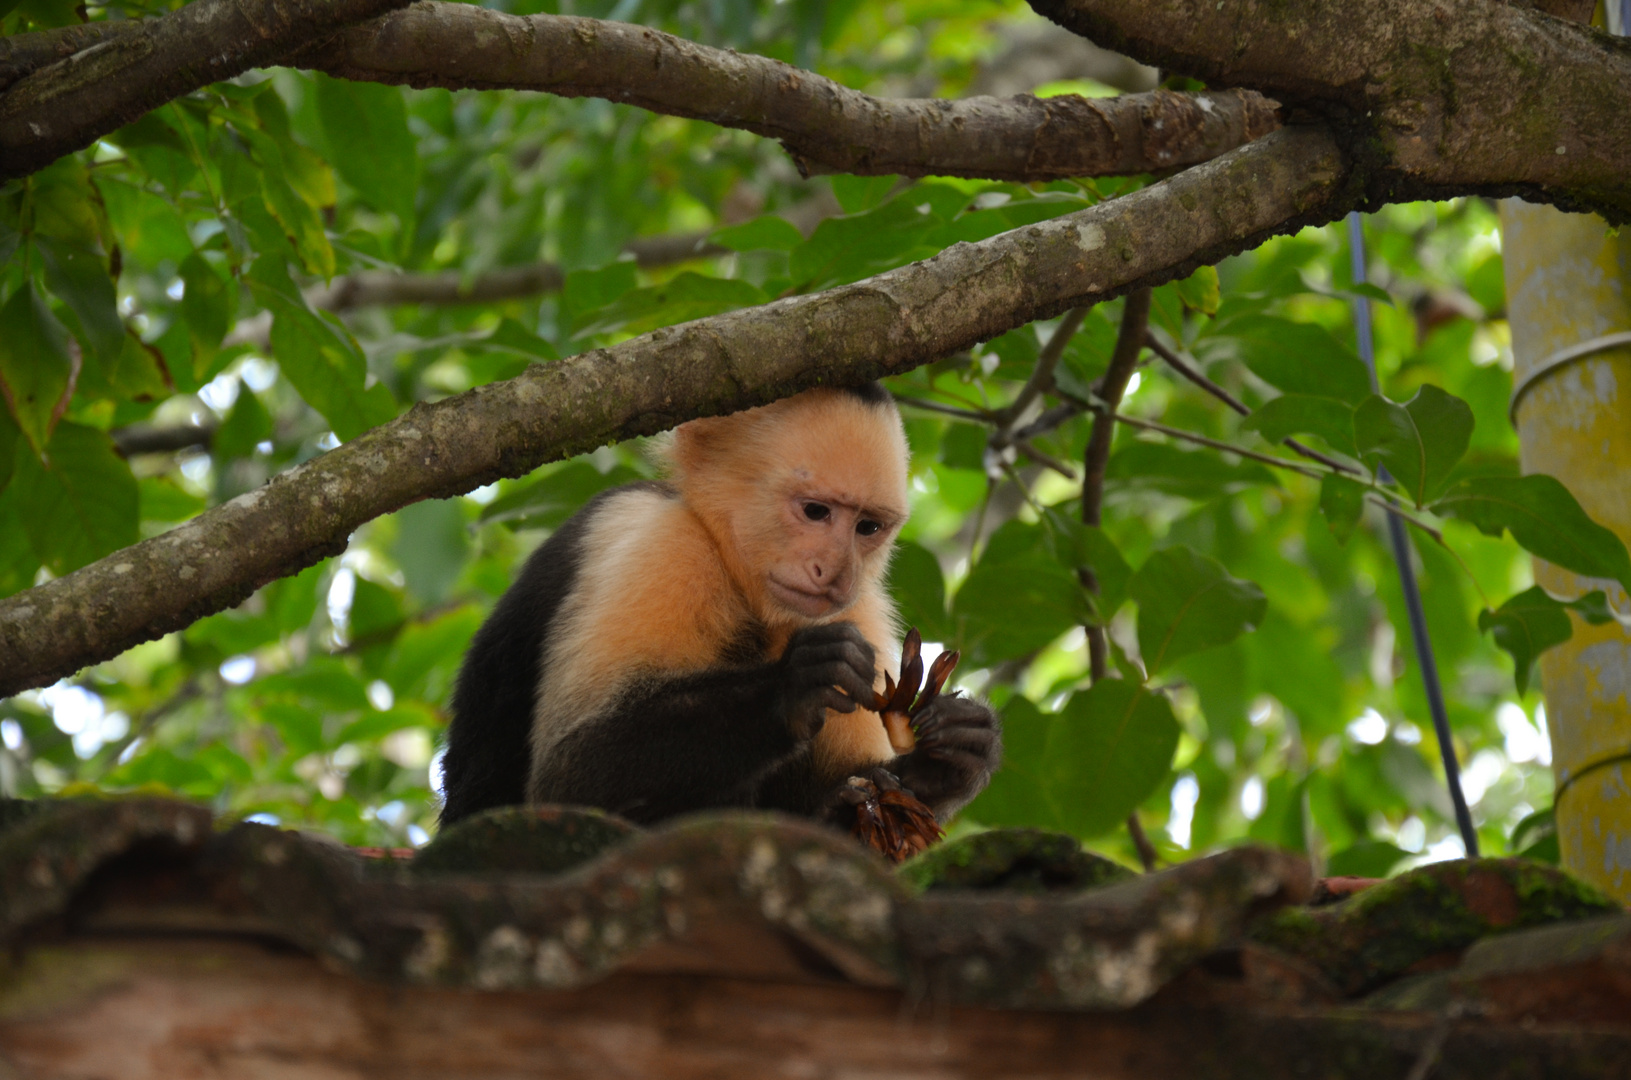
x=825, y=549
x=805, y=497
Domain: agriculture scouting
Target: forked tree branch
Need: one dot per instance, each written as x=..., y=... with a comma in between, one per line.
x=73, y=100
x=884, y=325
x=825, y=126
x=1434, y=97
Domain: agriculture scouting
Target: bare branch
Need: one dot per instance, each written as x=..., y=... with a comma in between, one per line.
x=148, y=439
x=825, y=126
x=24, y=54
x=884, y=325
x=1193, y=374
x=1447, y=96
x=376, y=287
x=69, y=104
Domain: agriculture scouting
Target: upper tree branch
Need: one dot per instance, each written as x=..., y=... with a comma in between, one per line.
x=884, y=325
x=825, y=126
x=69, y=104
x=1439, y=96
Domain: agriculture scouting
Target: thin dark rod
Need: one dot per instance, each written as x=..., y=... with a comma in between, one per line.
x=1407, y=571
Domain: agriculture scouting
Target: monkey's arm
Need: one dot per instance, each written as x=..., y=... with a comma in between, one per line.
x=959, y=746
x=683, y=743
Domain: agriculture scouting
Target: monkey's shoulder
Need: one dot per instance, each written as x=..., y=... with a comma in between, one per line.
x=651, y=588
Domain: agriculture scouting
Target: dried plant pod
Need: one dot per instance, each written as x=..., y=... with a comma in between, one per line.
x=890, y=821
x=895, y=705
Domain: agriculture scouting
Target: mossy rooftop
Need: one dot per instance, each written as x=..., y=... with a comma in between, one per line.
x=145, y=938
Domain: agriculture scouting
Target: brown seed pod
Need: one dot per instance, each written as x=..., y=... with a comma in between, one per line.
x=890, y=821
x=896, y=705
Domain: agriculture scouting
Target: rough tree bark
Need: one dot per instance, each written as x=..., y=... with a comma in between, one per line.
x=881, y=326
x=68, y=104
x=825, y=126
x=1434, y=97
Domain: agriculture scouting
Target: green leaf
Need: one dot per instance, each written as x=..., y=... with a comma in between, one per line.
x=162, y=499
x=546, y=503
x=511, y=336
x=1282, y=823
x=684, y=297
x=1187, y=473
x=297, y=216
x=377, y=725
x=1106, y=752
x=1419, y=442
x=247, y=425
x=10, y=436
x=1200, y=292
x=318, y=356
x=857, y=194
x=18, y=563
x=587, y=291
x=1297, y=414
x=426, y=654
x=207, y=303
x=431, y=546
x=1187, y=602
x=80, y=507
x=767, y=233
x=1543, y=518
x=919, y=588
x=1535, y=837
x=367, y=125
x=1018, y=598
x=79, y=278
x=64, y=203
x=1342, y=501
x=1532, y=621
x=1297, y=358
x=1366, y=859
x=149, y=227
x=1087, y=546
x=1016, y=796
x=36, y=371
x=849, y=248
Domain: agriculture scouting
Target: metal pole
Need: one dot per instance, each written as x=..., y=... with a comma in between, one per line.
x=1407, y=571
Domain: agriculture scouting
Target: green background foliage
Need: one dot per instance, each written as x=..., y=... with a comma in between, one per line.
x=1263, y=683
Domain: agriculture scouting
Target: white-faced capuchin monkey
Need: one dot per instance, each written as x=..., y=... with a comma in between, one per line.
x=704, y=642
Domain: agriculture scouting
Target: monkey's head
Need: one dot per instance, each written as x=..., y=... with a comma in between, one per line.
x=804, y=497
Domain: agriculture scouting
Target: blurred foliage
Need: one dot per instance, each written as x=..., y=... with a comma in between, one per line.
x=1264, y=688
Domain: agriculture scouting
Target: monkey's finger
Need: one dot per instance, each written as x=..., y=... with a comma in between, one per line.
x=858, y=655
x=831, y=697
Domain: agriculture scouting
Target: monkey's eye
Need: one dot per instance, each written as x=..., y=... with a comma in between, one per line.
x=817, y=511
x=867, y=527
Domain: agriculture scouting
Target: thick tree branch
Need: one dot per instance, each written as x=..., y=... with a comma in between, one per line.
x=825, y=126
x=69, y=104
x=1439, y=96
x=883, y=325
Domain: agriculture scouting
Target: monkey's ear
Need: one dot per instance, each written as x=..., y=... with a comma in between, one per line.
x=696, y=442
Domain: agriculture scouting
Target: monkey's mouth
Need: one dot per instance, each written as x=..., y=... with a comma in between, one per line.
x=811, y=605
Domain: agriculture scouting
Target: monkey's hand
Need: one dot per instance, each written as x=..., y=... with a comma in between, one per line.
x=959, y=746
x=824, y=667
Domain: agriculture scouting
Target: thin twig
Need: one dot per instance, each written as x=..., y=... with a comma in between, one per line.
x=1135, y=320
x=949, y=410
x=1228, y=448
x=1041, y=380
x=1409, y=519
x=1193, y=374
x=1042, y=458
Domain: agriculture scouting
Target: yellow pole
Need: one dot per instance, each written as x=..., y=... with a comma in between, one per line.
x=1568, y=289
